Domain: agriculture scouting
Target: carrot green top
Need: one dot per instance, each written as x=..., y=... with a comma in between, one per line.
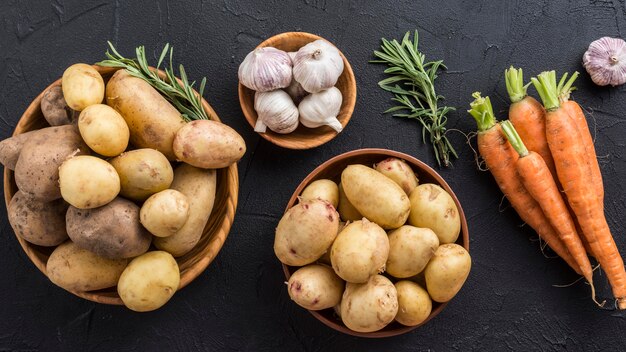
x=564, y=89
x=514, y=138
x=482, y=112
x=514, y=79
x=545, y=83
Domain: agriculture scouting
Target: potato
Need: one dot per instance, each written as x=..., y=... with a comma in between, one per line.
x=55, y=109
x=447, y=271
x=88, y=182
x=410, y=249
x=433, y=207
x=199, y=186
x=103, y=129
x=208, y=144
x=315, y=287
x=305, y=232
x=398, y=171
x=322, y=189
x=76, y=269
x=11, y=148
x=149, y=281
x=369, y=306
x=151, y=119
x=37, y=169
x=375, y=196
x=143, y=172
x=37, y=222
x=112, y=231
x=360, y=251
x=82, y=86
x=346, y=210
x=414, y=304
x=164, y=213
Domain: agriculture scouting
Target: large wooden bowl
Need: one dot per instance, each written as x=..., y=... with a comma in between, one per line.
x=302, y=137
x=332, y=169
x=192, y=263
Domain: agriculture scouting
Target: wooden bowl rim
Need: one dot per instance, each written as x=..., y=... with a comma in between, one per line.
x=314, y=140
x=416, y=163
x=204, y=258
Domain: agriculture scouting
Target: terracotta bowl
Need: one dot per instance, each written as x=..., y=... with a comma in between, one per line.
x=302, y=137
x=192, y=263
x=332, y=169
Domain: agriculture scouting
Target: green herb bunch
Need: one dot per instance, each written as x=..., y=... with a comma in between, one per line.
x=180, y=95
x=413, y=83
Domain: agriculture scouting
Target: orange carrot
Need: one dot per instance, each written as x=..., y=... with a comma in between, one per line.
x=528, y=116
x=500, y=159
x=574, y=170
x=538, y=180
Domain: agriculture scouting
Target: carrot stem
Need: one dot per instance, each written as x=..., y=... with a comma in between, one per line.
x=514, y=138
x=514, y=79
x=546, y=86
x=564, y=89
x=482, y=112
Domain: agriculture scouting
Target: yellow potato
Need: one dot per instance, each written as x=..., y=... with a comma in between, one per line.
x=103, y=129
x=199, y=186
x=82, y=86
x=164, y=213
x=400, y=172
x=208, y=144
x=149, y=281
x=369, y=306
x=410, y=249
x=434, y=208
x=152, y=120
x=88, y=182
x=315, y=287
x=322, y=189
x=76, y=269
x=143, y=172
x=305, y=232
x=375, y=196
x=414, y=304
x=447, y=271
x=346, y=210
x=360, y=251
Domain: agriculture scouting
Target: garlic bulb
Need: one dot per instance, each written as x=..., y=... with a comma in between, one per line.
x=275, y=110
x=295, y=90
x=266, y=69
x=321, y=109
x=605, y=60
x=317, y=66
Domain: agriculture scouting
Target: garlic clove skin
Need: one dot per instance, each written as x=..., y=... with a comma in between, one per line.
x=321, y=109
x=317, y=66
x=605, y=61
x=295, y=90
x=275, y=110
x=266, y=69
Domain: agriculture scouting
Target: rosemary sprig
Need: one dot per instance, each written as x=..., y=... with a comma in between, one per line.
x=412, y=81
x=181, y=96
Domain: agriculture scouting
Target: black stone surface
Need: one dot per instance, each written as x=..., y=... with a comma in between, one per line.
x=510, y=301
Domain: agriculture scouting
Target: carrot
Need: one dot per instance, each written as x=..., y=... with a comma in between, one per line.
x=528, y=116
x=500, y=159
x=576, y=112
x=538, y=180
x=574, y=170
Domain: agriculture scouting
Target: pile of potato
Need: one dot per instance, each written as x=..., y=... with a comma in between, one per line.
x=119, y=183
x=394, y=255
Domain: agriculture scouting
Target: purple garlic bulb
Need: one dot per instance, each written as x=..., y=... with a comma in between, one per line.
x=605, y=61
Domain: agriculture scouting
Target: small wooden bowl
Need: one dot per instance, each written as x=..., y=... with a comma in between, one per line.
x=332, y=169
x=191, y=264
x=302, y=137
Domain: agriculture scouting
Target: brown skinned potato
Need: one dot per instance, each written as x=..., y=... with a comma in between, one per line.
x=37, y=222
x=55, y=109
x=11, y=148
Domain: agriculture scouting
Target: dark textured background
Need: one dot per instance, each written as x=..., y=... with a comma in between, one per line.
x=240, y=302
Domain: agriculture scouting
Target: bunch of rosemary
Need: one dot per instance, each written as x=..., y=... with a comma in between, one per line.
x=412, y=81
x=180, y=95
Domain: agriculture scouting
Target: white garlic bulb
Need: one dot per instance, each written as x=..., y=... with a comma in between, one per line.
x=266, y=69
x=321, y=109
x=295, y=90
x=275, y=110
x=317, y=66
x=605, y=60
